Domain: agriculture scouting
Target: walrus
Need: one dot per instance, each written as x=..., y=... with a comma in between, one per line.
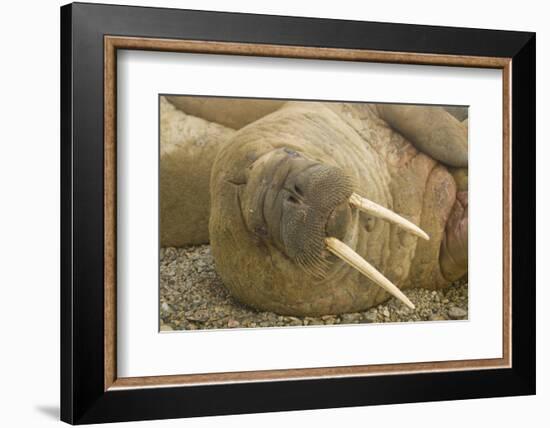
x=323, y=208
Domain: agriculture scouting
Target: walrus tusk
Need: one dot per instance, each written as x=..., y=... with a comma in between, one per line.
x=379, y=211
x=341, y=250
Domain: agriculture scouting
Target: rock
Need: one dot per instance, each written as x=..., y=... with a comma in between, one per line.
x=233, y=323
x=169, y=255
x=404, y=311
x=200, y=316
x=437, y=317
x=351, y=318
x=386, y=313
x=426, y=313
x=456, y=313
x=371, y=317
x=165, y=307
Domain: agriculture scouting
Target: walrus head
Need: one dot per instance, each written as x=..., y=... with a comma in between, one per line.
x=303, y=208
x=294, y=201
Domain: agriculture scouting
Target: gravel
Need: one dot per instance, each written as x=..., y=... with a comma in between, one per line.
x=192, y=297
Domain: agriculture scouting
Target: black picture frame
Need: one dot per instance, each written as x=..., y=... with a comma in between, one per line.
x=83, y=398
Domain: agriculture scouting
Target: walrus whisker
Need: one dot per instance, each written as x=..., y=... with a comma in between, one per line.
x=379, y=211
x=313, y=264
x=342, y=251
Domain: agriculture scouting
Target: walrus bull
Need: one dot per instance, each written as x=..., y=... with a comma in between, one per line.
x=325, y=208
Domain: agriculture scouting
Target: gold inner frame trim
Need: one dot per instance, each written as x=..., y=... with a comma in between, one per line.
x=113, y=43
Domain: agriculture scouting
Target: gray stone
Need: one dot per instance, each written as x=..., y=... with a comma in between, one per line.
x=371, y=317
x=351, y=318
x=456, y=313
x=165, y=307
x=437, y=317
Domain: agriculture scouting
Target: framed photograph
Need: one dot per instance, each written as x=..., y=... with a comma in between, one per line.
x=266, y=213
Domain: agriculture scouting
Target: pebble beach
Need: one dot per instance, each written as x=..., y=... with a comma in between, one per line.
x=193, y=297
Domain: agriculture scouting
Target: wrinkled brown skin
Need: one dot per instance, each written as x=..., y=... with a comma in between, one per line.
x=383, y=166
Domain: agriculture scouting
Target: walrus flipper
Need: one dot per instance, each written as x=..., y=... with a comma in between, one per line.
x=232, y=113
x=188, y=147
x=432, y=130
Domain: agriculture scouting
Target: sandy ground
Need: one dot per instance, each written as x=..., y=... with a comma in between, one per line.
x=192, y=296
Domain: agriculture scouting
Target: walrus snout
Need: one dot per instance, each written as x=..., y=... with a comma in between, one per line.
x=290, y=201
x=317, y=200
x=339, y=220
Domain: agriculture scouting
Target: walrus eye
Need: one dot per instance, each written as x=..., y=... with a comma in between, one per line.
x=291, y=153
x=292, y=199
x=298, y=190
